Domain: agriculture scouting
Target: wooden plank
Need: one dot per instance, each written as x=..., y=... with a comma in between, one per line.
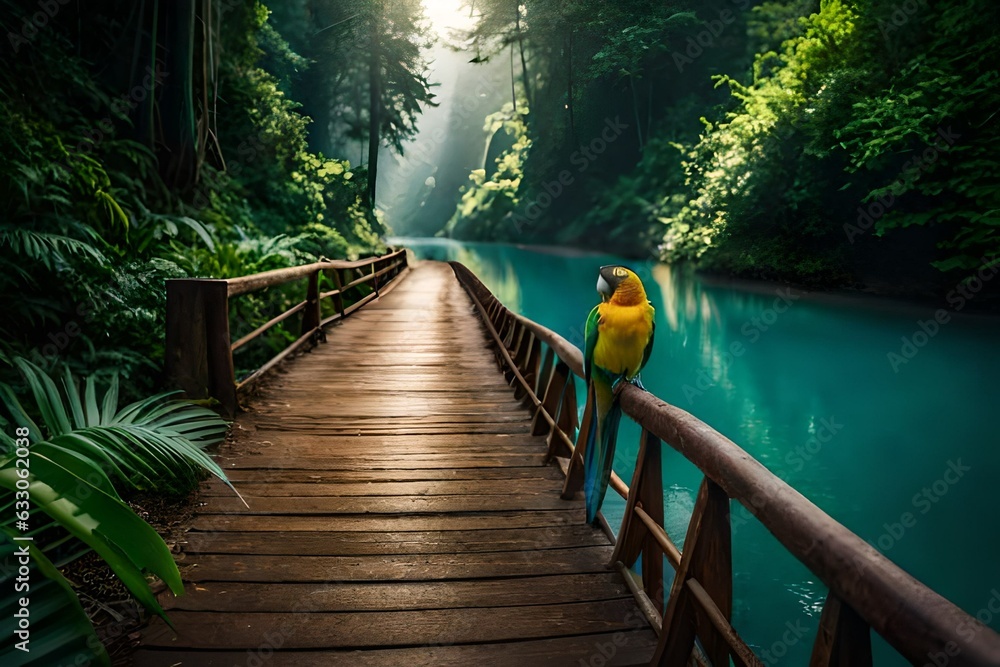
x=414, y=405
x=328, y=471
x=369, y=489
x=430, y=430
x=345, y=597
x=399, y=463
x=330, y=543
x=263, y=437
x=381, y=504
x=618, y=649
x=387, y=523
x=321, y=449
x=423, y=567
x=397, y=628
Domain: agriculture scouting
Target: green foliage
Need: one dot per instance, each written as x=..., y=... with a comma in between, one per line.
x=152, y=444
x=927, y=137
x=76, y=495
x=626, y=215
x=488, y=205
x=843, y=140
x=91, y=229
x=743, y=166
x=54, y=605
x=78, y=457
x=84, y=451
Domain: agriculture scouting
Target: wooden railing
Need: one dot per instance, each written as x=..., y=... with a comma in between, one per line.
x=199, y=348
x=866, y=590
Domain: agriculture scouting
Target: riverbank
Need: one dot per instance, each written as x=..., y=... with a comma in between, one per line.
x=979, y=298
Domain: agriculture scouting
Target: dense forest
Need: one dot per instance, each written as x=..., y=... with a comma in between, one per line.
x=842, y=143
x=837, y=144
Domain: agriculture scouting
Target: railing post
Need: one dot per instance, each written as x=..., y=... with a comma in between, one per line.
x=568, y=414
x=520, y=357
x=338, y=300
x=574, y=474
x=311, y=315
x=551, y=398
x=532, y=362
x=545, y=372
x=646, y=492
x=708, y=559
x=844, y=638
x=198, y=356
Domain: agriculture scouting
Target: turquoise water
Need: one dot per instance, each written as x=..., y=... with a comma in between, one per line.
x=806, y=386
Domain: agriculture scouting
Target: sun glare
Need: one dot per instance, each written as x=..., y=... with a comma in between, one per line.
x=447, y=16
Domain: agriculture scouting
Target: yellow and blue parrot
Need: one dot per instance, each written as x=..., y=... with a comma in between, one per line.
x=619, y=339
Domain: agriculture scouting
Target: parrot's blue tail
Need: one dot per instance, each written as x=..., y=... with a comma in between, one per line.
x=600, y=456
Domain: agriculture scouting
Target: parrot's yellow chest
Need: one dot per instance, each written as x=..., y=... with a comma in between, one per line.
x=623, y=332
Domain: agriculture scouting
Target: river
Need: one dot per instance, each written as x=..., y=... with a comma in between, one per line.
x=901, y=449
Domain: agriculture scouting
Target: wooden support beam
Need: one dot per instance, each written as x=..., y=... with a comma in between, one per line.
x=552, y=398
x=634, y=537
x=199, y=358
x=707, y=558
x=574, y=474
x=545, y=372
x=311, y=315
x=844, y=639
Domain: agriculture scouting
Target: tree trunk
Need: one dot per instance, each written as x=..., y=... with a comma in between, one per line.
x=520, y=44
x=177, y=154
x=569, y=87
x=513, y=92
x=374, y=101
x=635, y=110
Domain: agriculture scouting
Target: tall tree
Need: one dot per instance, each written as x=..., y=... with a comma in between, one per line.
x=374, y=96
x=367, y=80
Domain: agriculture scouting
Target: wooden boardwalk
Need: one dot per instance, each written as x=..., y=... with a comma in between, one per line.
x=400, y=514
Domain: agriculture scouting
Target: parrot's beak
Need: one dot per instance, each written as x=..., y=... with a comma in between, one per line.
x=604, y=288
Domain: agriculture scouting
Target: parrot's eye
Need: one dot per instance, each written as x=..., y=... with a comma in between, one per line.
x=620, y=272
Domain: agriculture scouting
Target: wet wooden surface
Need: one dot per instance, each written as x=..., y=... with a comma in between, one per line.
x=400, y=514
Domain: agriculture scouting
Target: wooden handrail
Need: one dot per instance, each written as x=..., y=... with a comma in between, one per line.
x=199, y=350
x=258, y=281
x=867, y=590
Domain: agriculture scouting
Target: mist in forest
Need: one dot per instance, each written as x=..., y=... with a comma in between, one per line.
x=418, y=190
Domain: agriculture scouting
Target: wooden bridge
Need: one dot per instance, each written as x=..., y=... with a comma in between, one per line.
x=413, y=491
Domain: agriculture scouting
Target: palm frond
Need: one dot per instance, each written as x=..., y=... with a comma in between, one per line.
x=52, y=250
x=153, y=444
x=54, y=604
